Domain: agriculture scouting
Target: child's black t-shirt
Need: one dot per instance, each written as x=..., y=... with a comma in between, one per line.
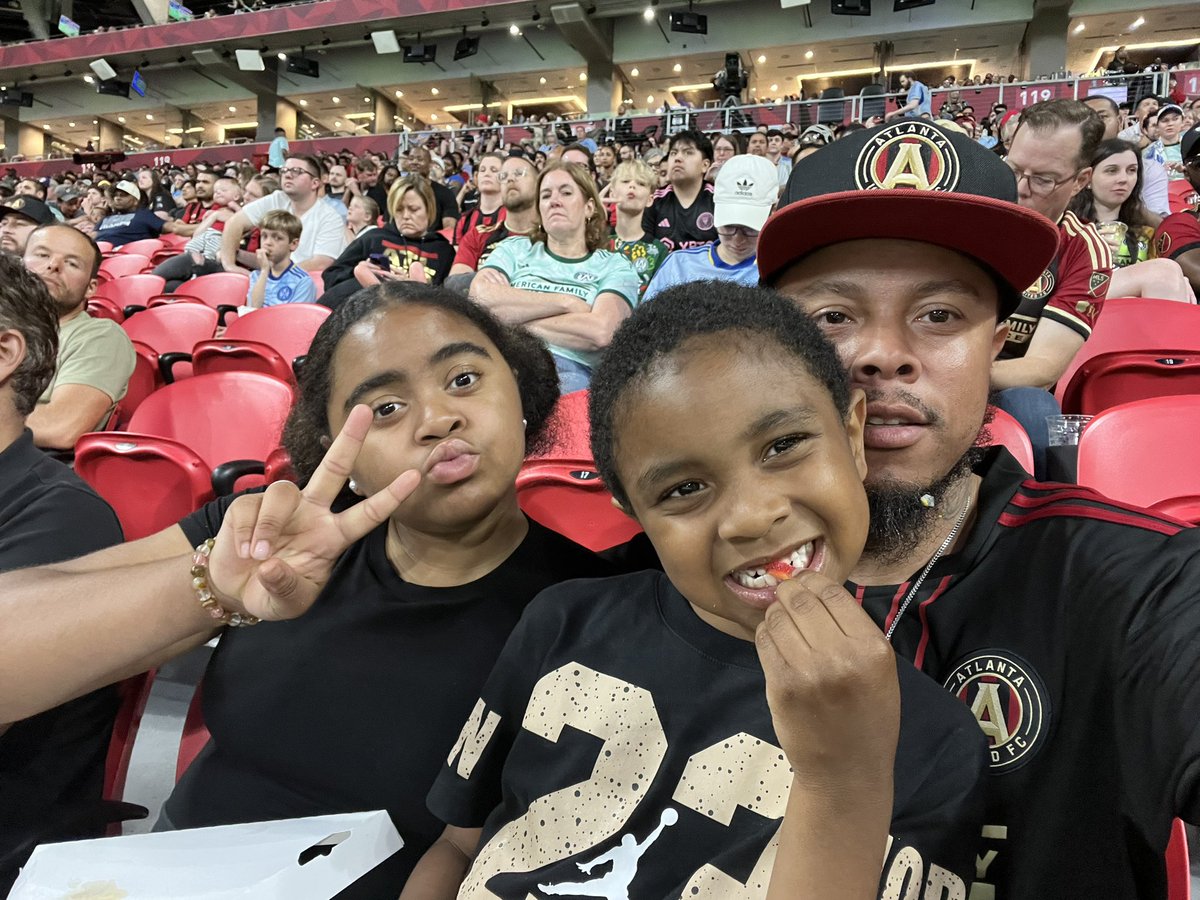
x=623, y=747
x=355, y=705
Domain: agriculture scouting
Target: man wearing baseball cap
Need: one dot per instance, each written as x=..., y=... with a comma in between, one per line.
x=1178, y=236
x=743, y=197
x=18, y=218
x=130, y=219
x=1069, y=625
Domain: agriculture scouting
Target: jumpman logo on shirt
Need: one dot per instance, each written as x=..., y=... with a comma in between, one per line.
x=624, y=859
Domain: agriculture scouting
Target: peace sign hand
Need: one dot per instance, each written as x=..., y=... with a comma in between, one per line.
x=275, y=550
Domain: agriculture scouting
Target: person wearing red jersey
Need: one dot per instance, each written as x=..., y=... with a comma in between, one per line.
x=1178, y=237
x=1050, y=156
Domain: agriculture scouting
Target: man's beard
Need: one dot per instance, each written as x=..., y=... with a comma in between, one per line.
x=899, y=520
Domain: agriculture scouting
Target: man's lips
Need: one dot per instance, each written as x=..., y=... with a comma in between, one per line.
x=893, y=426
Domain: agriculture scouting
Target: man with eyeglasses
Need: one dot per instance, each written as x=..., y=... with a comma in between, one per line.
x=518, y=193
x=1050, y=156
x=323, y=237
x=743, y=196
x=1178, y=237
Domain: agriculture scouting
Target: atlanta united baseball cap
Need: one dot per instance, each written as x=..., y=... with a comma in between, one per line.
x=30, y=207
x=916, y=181
x=745, y=191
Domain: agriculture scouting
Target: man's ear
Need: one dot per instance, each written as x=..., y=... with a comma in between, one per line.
x=12, y=353
x=999, y=337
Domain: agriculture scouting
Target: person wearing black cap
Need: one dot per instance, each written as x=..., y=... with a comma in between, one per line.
x=1068, y=624
x=1178, y=237
x=18, y=218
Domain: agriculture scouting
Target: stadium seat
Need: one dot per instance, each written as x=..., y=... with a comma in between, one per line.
x=278, y=467
x=144, y=381
x=187, y=443
x=195, y=733
x=1134, y=323
x=222, y=355
x=130, y=290
x=1144, y=452
x=171, y=331
x=873, y=101
x=101, y=307
x=831, y=108
x=1007, y=431
x=1124, y=376
x=105, y=246
x=1179, y=873
x=146, y=248
x=134, y=693
x=223, y=291
x=560, y=487
x=288, y=328
x=112, y=267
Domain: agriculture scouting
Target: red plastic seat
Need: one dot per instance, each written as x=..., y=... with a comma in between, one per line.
x=146, y=248
x=195, y=733
x=173, y=241
x=1143, y=453
x=99, y=307
x=267, y=340
x=1179, y=874
x=105, y=246
x=172, y=330
x=187, y=442
x=112, y=267
x=130, y=290
x=134, y=693
x=223, y=291
x=1007, y=431
x=569, y=497
x=144, y=381
x=1124, y=376
x=278, y=467
x=1134, y=323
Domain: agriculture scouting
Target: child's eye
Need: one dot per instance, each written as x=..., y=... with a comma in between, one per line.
x=687, y=489
x=783, y=445
x=465, y=379
x=386, y=409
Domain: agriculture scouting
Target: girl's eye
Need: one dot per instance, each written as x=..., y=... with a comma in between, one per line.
x=465, y=379
x=783, y=445
x=683, y=490
x=386, y=409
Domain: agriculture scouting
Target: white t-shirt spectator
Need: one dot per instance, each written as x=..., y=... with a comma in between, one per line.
x=324, y=232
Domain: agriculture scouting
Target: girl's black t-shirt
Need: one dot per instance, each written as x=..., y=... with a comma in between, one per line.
x=355, y=705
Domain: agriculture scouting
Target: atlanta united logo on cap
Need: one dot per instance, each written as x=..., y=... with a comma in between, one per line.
x=908, y=155
x=1008, y=700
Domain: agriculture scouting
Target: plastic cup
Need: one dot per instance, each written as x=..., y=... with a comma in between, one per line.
x=1065, y=430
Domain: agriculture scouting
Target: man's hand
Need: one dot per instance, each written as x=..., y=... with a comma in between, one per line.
x=275, y=550
x=831, y=684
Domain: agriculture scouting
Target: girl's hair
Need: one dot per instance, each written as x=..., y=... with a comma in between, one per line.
x=659, y=329
x=423, y=190
x=308, y=424
x=1133, y=213
x=595, y=231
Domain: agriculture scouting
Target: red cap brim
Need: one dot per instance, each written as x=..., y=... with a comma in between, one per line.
x=1016, y=243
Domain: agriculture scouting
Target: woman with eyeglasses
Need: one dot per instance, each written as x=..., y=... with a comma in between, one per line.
x=405, y=249
x=559, y=283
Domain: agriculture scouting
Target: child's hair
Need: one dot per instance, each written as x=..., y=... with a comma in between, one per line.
x=282, y=221
x=636, y=171
x=531, y=362
x=660, y=328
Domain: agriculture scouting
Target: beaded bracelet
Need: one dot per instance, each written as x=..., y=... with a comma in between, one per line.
x=205, y=594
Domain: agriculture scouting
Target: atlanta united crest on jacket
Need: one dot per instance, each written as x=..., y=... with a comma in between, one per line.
x=624, y=748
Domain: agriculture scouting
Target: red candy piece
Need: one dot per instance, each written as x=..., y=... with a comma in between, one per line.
x=782, y=570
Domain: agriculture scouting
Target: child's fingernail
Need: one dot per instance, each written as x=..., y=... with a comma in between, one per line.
x=244, y=550
x=262, y=550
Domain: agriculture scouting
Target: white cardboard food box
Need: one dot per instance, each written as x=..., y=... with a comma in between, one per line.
x=259, y=860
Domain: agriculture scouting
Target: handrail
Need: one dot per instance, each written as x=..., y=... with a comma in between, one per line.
x=1016, y=96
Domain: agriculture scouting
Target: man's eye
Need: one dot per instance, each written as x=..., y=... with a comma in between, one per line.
x=833, y=317
x=940, y=316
